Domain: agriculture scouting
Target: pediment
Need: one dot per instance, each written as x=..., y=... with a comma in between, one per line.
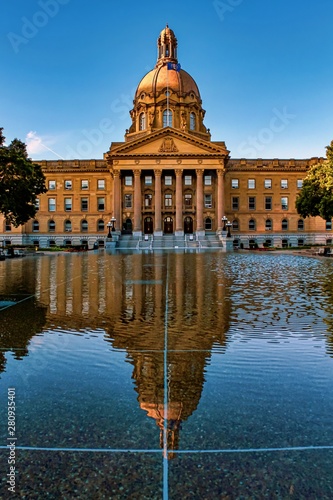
x=167, y=142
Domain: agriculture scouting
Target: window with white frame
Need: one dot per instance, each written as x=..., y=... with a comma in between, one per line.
x=84, y=184
x=168, y=200
x=52, y=185
x=252, y=202
x=68, y=204
x=268, y=183
x=148, y=180
x=84, y=204
x=251, y=183
x=284, y=184
x=284, y=203
x=299, y=183
x=188, y=200
x=52, y=204
x=68, y=184
x=208, y=180
x=168, y=180
x=188, y=180
x=234, y=183
x=208, y=200
x=128, y=201
x=148, y=200
x=128, y=180
x=100, y=204
x=100, y=184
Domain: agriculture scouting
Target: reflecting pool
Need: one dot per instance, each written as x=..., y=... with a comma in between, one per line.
x=167, y=375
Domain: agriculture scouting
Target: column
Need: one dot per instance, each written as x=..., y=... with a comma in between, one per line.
x=137, y=203
x=179, y=203
x=158, y=204
x=117, y=199
x=200, y=224
x=220, y=197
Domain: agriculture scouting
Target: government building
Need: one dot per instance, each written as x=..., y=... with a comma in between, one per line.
x=168, y=181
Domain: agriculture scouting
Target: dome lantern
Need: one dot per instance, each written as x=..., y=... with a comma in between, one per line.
x=166, y=47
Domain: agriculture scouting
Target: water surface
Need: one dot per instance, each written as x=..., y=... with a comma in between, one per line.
x=168, y=375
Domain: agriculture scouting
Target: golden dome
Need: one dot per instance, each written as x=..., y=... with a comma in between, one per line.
x=161, y=78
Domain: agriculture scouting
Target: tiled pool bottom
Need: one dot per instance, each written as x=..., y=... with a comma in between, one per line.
x=170, y=376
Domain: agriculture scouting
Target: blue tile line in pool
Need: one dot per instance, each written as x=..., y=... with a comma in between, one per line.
x=133, y=450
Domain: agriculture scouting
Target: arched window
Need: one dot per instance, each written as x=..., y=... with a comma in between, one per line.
x=192, y=121
x=252, y=225
x=208, y=224
x=35, y=225
x=284, y=225
x=167, y=118
x=84, y=226
x=300, y=225
x=268, y=225
x=100, y=225
x=142, y=121
x=68, y=226
x=235, y=225
x=51, y=226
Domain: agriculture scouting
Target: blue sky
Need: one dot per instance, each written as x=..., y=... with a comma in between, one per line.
x=69, y=70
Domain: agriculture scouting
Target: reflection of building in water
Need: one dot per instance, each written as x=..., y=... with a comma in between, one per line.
x=125, y=296
x=21, y=322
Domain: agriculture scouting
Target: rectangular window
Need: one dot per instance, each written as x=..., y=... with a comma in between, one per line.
x=252, y=202
x=251, y=183
x=8, y=226
x=208, y=201
x=148, y=180
x=128, y=180
x=268, y=203
x=148, y=200
x=37, y=203
x=84, y=204
x=235, y=203
x=100, y=184
x=188, y=200
x=168, y=200
x=234, y=183
x=208, y=180
x=128, y=201
x=168, y=180
x=188, y=180
x=328, y=225
x=284, y=203
x=100, y=204
x=68, y=204
x=68, y=185
x=52, y=185
x=52, y=204
x=268, y=183
x=299, y=183
x=84, y=184
x=284, y=184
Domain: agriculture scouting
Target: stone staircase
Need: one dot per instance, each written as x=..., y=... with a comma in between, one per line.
x=168, y=242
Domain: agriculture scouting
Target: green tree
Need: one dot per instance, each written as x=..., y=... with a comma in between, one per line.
x=21, y=181
x=316, y=195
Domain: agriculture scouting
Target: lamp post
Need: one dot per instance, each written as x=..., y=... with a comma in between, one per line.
x=113, y=222
x=224, y=220
x=109, y=225
x=228, y=224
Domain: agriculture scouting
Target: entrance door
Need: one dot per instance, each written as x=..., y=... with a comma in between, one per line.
x=168, y=225
x=148, y=225
x=127, y=227
x=188, y=225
